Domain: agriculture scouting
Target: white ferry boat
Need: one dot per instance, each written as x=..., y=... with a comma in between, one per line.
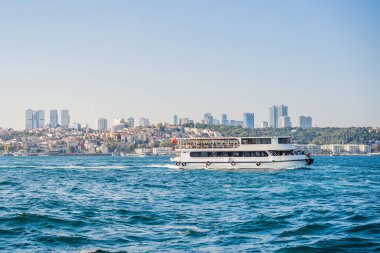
x=239, y=153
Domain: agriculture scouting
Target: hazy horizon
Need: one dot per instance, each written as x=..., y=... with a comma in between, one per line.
x=154, y=59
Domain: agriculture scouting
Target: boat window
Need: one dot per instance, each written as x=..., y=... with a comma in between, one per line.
x=283, y=140
x=230, y=154
x=282, y=152
x=256, y=141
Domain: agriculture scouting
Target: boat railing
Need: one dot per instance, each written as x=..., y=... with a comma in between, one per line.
x=207, y=144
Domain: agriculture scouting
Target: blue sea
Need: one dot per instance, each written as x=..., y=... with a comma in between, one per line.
x=133, y=204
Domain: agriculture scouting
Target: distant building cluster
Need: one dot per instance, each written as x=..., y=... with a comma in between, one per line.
x=36, y=119
x=278, y=118
x=208, y=119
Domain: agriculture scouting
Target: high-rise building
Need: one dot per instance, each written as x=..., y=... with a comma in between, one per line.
x=309, y=122
x=40, y=119
x=273, y=117
x=224, y=119
x=175, y=120
x=131, y=122
x=264, y=124
x=101, y=124
x=144, y=122
x=282, y=111
x=65, y=118
x=34, y=119
x=208, y=119
x=275, y=113
x=53, y=118
x=304, y=121
x=232, y=122
x=284, y=122
x=248, y=120
x=184, y=121
x=29, y=119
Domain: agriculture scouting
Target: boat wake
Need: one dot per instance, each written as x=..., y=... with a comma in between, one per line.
x=170, y=166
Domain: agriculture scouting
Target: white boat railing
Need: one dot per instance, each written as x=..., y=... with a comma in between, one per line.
x=207, y=143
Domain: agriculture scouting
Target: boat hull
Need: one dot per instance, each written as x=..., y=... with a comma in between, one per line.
x=276, y=165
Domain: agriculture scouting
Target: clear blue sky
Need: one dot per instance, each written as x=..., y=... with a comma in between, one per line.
x=115, y=59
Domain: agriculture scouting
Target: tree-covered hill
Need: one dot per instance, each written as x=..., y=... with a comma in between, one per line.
x=328, y=135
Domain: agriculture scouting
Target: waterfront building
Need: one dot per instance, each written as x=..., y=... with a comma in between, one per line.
x=273, y=116
x=333, y=148
x=224, y=119
x=309, y=148
x=175, y=120
x=53, y=118
x=365, y=148
x=143, y=151
x=284, y=122
x=29, y=119
x=144, y=122
x=264, y=124
x=131, y=122
x=248, y=120
x=164, y=151
x=348, y=148
x=352, y=149
x=65, y=118
x=101, y=124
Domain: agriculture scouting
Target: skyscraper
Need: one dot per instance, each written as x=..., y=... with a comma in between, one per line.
x=40, y=119
x=34, y=119
x=273, y=117
x=65, y=118
x=248, y=120
x=53, y=118
x=29, y=119
x=101, y=124
x=284, y=122
x=282, y=111
x=224, y=119
x=208, y=119
x=275, y=113
x=175, y=120
x=304, y=121
x=309, y=122
x=144, y=122
x=131, y=122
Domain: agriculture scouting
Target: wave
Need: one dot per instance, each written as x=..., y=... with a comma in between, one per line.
x=66, y=167
x=170, y=166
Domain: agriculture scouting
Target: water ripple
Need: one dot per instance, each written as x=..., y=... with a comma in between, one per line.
x=120, y=204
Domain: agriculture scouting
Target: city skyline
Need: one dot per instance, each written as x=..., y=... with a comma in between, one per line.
x=36, y=119
x=154, y=59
